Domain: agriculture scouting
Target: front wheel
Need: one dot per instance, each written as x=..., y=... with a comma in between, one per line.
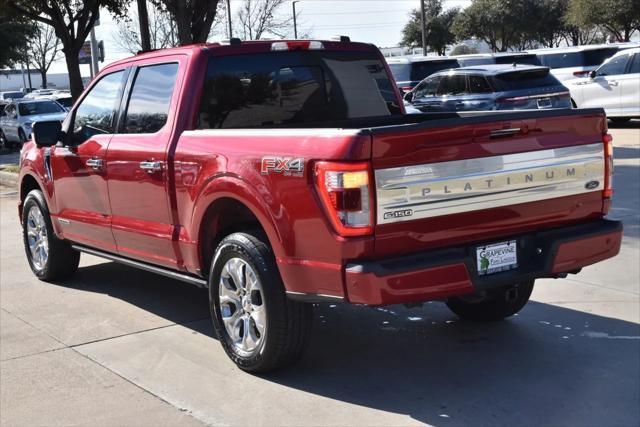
x=50, y=258
x=492, y=305
x=259, y=328
x=22, y=137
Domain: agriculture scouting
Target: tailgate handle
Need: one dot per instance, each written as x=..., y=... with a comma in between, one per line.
x=502, y=133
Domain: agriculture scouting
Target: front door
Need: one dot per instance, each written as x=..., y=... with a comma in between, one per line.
x=137, y=167
x=78, y=168
x=603, y=91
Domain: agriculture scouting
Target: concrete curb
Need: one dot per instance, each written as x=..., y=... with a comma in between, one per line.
x=9, y=179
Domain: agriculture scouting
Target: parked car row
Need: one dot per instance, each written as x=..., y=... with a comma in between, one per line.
x=546, y=78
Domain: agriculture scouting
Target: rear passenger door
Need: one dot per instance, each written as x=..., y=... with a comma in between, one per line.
x=630, y=87
x=137, y=165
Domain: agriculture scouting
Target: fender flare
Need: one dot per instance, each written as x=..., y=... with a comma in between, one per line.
x=234, y=187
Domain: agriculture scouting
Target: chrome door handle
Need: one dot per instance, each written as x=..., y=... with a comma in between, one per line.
x=95, y=164
x=151, y=166
x=614, y=83
x=499, y=133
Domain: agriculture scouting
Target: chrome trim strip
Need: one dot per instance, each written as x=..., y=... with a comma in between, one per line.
x=301, y=296
x=423, y=191
x=64, y=221
x=143, y=266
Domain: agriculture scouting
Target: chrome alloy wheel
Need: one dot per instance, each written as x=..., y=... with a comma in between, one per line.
x=37, y=238
x=242, y=306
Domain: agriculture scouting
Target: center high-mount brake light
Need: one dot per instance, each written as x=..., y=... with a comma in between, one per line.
x=297, y=45
x=345, y=191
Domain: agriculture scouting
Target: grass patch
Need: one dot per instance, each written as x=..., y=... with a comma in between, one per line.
x=10, y=168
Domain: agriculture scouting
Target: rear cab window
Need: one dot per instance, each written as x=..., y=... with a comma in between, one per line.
x=293, y=88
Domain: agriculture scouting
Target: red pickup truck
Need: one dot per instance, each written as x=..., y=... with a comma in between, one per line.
x=282, y=173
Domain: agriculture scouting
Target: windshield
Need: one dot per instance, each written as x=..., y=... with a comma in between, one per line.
x=421, y=70
x=35, y=108
x=587, y=58
x=287, y=88
x=401, y=72
x=527, y=79
x=65, y=102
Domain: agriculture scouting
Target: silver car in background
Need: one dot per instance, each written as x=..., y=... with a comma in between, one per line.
x=18, y=117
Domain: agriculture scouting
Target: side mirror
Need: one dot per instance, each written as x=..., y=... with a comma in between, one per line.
x=47, y=134
x=592, y=74
x=408, y=96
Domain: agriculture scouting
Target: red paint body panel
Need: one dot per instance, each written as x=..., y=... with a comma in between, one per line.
x=580, y=253
x=159, y=217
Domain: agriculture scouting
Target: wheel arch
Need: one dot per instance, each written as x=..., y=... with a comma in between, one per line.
x=229, y=205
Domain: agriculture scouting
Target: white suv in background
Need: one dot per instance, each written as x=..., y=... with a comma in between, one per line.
x=575, y=61
x=614, y=86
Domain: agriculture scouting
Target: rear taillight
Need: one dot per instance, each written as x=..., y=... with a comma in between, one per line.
x=345, y=191
x=581, y=73
x=297, y=45
x=406, y=89
x=607, y=140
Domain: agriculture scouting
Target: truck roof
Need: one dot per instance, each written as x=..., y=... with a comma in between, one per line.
x=253, y=46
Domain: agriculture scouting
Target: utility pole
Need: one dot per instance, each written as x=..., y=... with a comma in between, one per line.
x=424, y=28
x=95, y=55
x=229, y=19
x=295, y=22
x=143, y=21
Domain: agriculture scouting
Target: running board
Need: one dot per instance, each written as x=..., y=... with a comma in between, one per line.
x=143, y=266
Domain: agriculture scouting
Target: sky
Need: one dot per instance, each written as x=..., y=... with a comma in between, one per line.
x=373, y=21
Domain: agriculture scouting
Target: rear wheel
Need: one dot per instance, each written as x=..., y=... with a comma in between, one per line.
x=4, y=144
x=22, y=136
x=492, y=305
x=50, y=258
x=259, y=328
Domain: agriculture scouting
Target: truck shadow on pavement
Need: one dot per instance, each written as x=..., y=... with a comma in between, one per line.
x=546, y=366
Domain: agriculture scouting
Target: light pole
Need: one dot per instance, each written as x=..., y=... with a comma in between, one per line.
x=295, y=23
x=229, y=18
x=424, y=28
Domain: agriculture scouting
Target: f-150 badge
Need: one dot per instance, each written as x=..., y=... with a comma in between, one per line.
x=289, y=166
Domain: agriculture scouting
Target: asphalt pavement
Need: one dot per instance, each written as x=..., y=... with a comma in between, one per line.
x=117, y=346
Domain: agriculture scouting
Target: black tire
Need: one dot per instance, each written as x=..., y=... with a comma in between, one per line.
x=4, y=144
x=61, y=261
x=619, y=120
x=288, y=322
x=22, y=137
x=494, y=305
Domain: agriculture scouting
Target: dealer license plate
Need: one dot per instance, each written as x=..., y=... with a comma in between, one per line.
x=497, y=257
x=544, y=103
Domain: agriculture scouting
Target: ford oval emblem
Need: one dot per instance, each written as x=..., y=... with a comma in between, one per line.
x=592, y=185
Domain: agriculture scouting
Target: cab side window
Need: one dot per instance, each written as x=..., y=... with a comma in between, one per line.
x=96, y=113
x=614, y=67
x=453, y=85
x=427, y=88
x=150, y=98
x=479, y=84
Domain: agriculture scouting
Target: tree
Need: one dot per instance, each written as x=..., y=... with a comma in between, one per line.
x=463, y=49
x=193, y=18
x=162, y=32
x=15, y=32
x=490, y=21
x=44, y=48
x=439, y=24
x=143, y=24
x=620, y=17
x=260, y=17
x=72, y=21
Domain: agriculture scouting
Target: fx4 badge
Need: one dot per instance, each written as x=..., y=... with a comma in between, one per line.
x=289, y=166
x=398, y=214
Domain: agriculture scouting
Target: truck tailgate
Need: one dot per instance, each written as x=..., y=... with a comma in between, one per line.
x=480, y=178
